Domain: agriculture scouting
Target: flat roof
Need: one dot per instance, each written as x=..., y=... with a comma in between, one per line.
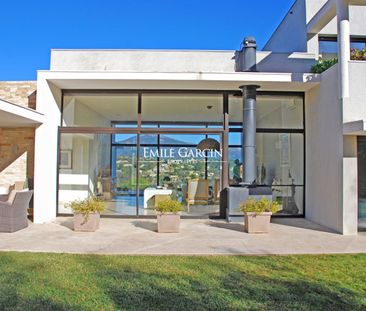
x=179, y=80
x=13, y=115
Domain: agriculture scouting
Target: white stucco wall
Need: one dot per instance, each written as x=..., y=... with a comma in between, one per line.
x=45, y=163
x=357, y=22
x=290, y=36
x=324, y=153
x=350, y=186
x=145, y=61
x=331, y=164
x=355, y=109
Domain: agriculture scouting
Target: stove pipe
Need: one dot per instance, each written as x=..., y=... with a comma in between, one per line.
x=249, y=133
x=249, y=54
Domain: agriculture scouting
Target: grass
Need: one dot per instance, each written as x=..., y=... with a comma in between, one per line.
x=30, y=281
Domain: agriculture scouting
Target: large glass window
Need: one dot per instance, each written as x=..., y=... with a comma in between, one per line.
x=279, y=147
x=276, y=112
x=99, y=110
x=132, y=180
x=280, y=158
x=90, y=166
x=176, y=109
x=328, y=45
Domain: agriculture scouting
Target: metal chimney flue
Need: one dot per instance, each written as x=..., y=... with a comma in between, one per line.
x=249, y=133
x=249, y=54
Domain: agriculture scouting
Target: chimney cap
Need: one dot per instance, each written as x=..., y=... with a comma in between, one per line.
x=250, y=41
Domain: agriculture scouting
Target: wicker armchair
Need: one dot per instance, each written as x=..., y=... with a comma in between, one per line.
x=13, y=213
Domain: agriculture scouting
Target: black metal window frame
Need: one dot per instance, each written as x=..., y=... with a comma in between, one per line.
x=334, y=38
x=139, y=128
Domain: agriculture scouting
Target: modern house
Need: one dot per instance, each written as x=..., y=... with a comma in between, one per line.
x=135, y=126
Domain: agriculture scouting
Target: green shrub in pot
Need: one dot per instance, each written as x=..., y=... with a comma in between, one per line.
x=168, y=216
x=257, y=214
x=260, y=206
x=169, y=206
x=87, y=213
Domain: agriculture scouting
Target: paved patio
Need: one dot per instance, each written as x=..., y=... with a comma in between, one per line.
x=197, y=237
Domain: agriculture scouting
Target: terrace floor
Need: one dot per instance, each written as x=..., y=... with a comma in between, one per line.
x=197, y=237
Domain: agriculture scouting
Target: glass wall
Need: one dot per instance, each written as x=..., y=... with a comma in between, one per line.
x=279, y=150
x=90, y=166
x=172, y=110
x=168, y=164
x=133, y=167
x=99, y=110
x=273, y=112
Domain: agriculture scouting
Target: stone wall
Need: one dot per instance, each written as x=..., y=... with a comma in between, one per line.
x=19, y=92
x=17, y=154
x=17, y=143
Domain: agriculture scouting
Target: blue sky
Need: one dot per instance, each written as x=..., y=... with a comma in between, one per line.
x=31, y=28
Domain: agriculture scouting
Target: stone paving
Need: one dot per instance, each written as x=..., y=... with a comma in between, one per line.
x=197, y=237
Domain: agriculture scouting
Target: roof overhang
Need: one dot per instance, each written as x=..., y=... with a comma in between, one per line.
x=322, y=17
x=12, y=115
x=355, y=128
x=326, y=14
x=197, y=80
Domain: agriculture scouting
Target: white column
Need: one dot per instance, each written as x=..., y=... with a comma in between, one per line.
x=349, y=164
x=344, y=47
x=350, y=186
x=46, y=149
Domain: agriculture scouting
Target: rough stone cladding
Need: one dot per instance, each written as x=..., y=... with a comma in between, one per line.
x=17, y=154
x=19, y=92
x=17, y=143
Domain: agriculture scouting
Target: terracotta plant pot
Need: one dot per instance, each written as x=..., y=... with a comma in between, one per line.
x=168, y=223
x=257, y=223
x=91, y=225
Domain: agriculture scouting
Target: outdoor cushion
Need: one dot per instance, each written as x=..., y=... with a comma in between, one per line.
x=11, y=197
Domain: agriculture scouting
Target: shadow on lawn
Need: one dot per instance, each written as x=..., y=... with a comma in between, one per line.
x=167, y=283
x=12, y=299
x=173, y=289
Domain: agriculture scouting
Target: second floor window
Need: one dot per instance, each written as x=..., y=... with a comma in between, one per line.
x=328, y=45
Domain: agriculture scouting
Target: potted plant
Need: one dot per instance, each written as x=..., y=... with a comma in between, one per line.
x=87, y=213
x=168, y=216
x=257, y=214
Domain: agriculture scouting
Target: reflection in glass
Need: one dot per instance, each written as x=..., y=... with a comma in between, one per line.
x=235, y=165
x=182, y=139
x=280, y=158
x=290, y=199
x=90, y=172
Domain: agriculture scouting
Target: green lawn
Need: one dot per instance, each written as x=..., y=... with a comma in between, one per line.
x=85, y=282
